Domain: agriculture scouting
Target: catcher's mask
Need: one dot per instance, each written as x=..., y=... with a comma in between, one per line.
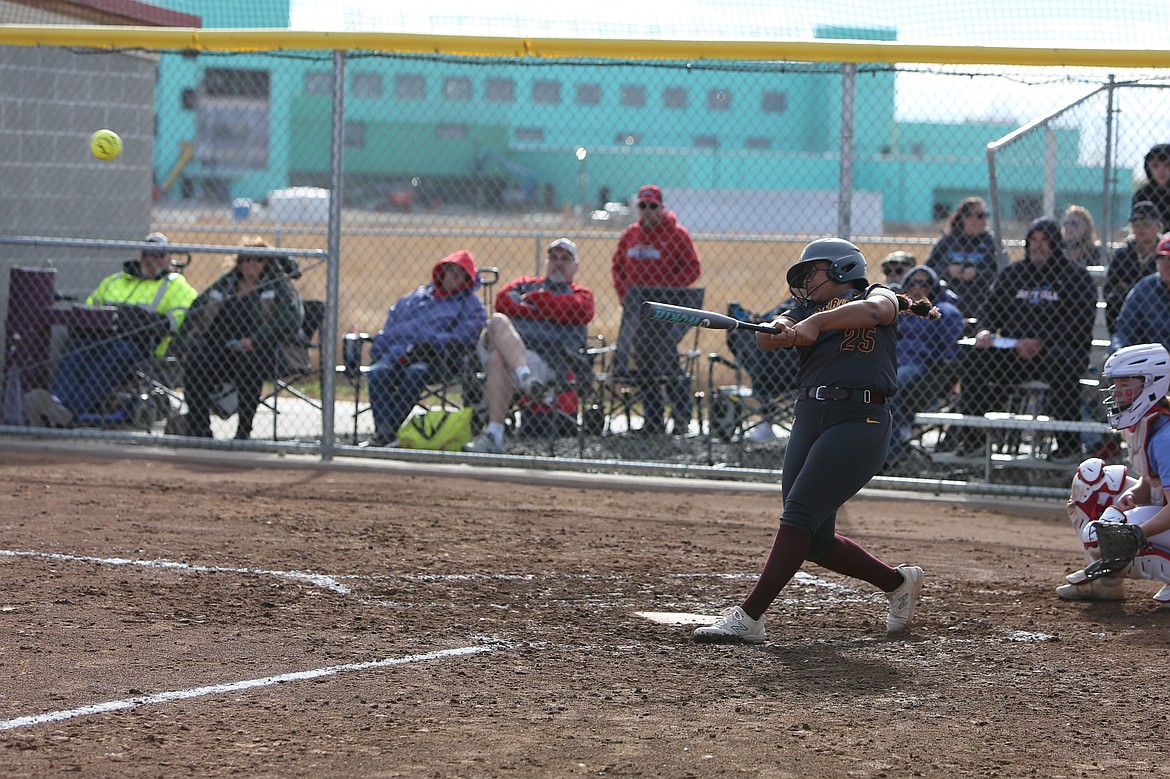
x=846, y=266
x=1124, y=406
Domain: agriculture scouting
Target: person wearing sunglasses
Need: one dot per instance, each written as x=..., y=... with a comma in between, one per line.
x=657, y=251
x=965, y=255
x=152, y=297
x=234, y=333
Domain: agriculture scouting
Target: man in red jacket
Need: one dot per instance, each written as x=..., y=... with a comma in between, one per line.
x=657, y=251
x=531, y=340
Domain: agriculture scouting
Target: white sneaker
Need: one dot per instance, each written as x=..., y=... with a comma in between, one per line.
x=484, y=443
x=1163, y=595
x=1105, y=588
x=734, y=627
x=44, y=410
x=761, y=433
x=904, y=599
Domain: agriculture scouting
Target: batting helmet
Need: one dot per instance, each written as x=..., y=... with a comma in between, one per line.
x=846, y=265
x=1150, y=363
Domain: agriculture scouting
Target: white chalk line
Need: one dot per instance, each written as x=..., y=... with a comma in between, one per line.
x=246, y=684
x=315, y=579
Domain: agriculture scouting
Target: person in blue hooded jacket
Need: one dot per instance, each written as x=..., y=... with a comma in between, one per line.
x=427, y=336
x=927, y=352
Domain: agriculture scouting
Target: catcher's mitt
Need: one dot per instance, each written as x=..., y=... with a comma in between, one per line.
x=1118, y=544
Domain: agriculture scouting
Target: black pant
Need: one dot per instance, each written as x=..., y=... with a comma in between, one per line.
x=208, y=368
x=986, y=375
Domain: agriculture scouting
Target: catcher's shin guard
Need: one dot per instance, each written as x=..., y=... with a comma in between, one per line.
x=1095, y=486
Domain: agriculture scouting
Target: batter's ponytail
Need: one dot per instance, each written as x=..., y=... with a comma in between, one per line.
x=919, y=308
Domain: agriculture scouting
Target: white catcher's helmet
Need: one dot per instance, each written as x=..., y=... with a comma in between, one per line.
x=1150, y=363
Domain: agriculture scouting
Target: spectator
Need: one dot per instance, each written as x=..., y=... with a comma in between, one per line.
x=1079, y=234
x=234, y=334
x=531, y=340
x=894, y=268
x=927, y=351
x=1156, y=188
x=428, y=335
x=966, y=256
x=1037, y=325
x=1145, y=316
x=1135, y=260
x=152, y=298
x=656, y=251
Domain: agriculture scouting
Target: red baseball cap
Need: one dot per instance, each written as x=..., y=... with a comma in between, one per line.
x=650, y=193
x=1163, y=247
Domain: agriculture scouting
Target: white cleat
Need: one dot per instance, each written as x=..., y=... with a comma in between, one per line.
x=735, y=627
x=904, y=599
x=1105, y=588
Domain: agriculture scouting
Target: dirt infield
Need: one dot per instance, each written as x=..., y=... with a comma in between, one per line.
x=192, y=617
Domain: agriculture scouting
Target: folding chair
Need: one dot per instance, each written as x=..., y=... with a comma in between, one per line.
x=646, y=359
x=763, y=392
x=286, y=376
x=452, y=393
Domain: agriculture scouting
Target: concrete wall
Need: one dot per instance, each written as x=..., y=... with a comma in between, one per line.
x=51, y=100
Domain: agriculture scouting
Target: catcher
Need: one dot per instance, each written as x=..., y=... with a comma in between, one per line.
x=1122, y=515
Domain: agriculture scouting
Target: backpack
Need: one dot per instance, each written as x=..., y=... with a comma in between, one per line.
x=437, y=428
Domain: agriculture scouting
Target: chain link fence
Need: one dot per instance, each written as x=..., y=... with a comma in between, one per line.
x=421, y=157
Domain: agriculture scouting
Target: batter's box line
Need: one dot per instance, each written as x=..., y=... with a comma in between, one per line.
x=333, y=584
x=315, y=579
x=246, y=684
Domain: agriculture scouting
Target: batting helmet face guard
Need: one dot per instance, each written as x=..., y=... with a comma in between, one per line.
x=1124, y=406
x=846, y=265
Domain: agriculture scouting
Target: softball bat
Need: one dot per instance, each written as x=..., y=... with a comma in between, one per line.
x=696, y=317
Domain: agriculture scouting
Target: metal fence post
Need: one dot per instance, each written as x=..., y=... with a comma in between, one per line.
x=328, y=334
x=845, y=183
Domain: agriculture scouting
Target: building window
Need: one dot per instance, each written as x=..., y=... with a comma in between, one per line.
x=546, y=92
x=758, y=142
x=500, y=90
x=532, y=134
x=367, y=85
x=410, y=87
x=626, y=139
x=719, y=99
x=706, y=141
x=588, y=94
x=318, y=83
x=354, y=135
x=231, y=82
x=457, y=89
x=674, y=97
x=775, y=102
x=451, y=132
x=189, y=99
x=633, y=95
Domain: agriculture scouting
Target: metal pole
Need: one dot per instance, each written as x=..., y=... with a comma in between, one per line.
x=329, y=328
x=993, y=198
x=1049, y=172
x=1107, y=187
x=845, y=178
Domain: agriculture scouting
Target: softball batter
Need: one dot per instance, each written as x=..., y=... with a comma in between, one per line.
x=845, y=331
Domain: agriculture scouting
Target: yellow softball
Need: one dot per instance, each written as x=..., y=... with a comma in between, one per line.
x=105, y=144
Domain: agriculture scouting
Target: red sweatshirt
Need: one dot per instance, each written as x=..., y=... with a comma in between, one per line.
x=662, y=256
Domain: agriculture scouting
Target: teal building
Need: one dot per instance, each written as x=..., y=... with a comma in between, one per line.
x=525, y=134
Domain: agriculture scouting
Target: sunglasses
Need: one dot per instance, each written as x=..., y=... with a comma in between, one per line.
x=979, y=215
x=644, y=205
x=253, y=258
x=917, y=283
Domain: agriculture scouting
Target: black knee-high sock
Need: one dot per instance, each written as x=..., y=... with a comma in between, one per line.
x=848, y=557
x=788, y=552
